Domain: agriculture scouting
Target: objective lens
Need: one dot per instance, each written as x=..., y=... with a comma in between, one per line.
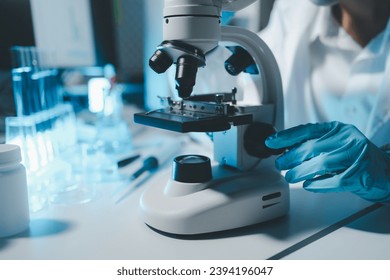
x=186, y=68
x=160, y=61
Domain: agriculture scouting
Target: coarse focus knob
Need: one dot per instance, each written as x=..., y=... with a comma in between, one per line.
x=191, y=169
x=254, y=140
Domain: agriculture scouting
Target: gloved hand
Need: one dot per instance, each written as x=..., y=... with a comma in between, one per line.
x=333, y=157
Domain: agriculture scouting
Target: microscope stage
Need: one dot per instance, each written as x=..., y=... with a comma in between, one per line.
x=189, y=121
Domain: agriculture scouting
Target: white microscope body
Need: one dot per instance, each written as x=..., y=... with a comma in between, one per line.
x=234, y=191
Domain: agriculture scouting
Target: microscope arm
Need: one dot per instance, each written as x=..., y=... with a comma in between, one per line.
x=271, y=85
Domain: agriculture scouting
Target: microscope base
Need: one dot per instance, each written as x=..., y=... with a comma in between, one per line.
x=231, y=200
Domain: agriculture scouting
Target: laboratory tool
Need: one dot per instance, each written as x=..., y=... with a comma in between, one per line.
x=334, y=157
x=149, y=164
x=240, y=186
x=14, y=208
x=126, y=161
x=165, y=149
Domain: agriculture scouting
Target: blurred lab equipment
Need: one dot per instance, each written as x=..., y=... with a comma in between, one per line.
x=42, y=118
x=334, y=157
x=64, y=154
x=14, y=210
x=103, y=133
x=244, y=187
x=105, y=101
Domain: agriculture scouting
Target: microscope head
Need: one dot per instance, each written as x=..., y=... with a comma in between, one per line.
x=191, y=29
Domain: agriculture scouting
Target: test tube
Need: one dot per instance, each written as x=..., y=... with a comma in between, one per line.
x=24, y=89
x=29, y=85
x=35, y=82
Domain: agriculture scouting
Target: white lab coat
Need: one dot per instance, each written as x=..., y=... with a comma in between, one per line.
x=288, y=35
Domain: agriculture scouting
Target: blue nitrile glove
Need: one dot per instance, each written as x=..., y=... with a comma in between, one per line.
x=333, y=157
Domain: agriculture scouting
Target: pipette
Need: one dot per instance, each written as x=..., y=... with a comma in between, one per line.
x=149, y=164
x=127, y=161
x=166, y=150
x=158, y=157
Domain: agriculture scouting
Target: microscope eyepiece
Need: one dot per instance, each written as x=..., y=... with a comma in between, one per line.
x=160, y=61
x=186, y=69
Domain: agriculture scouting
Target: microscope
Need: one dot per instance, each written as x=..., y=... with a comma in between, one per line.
x=240, y=185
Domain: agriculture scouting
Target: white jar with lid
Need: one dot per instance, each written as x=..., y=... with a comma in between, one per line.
x=14, y=208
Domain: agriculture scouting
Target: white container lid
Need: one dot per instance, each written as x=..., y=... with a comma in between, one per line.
x=10, y=154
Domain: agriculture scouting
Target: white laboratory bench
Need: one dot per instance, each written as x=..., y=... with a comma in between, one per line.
x=318, y=226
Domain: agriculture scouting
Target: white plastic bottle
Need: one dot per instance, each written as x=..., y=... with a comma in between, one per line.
x=14, y=209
